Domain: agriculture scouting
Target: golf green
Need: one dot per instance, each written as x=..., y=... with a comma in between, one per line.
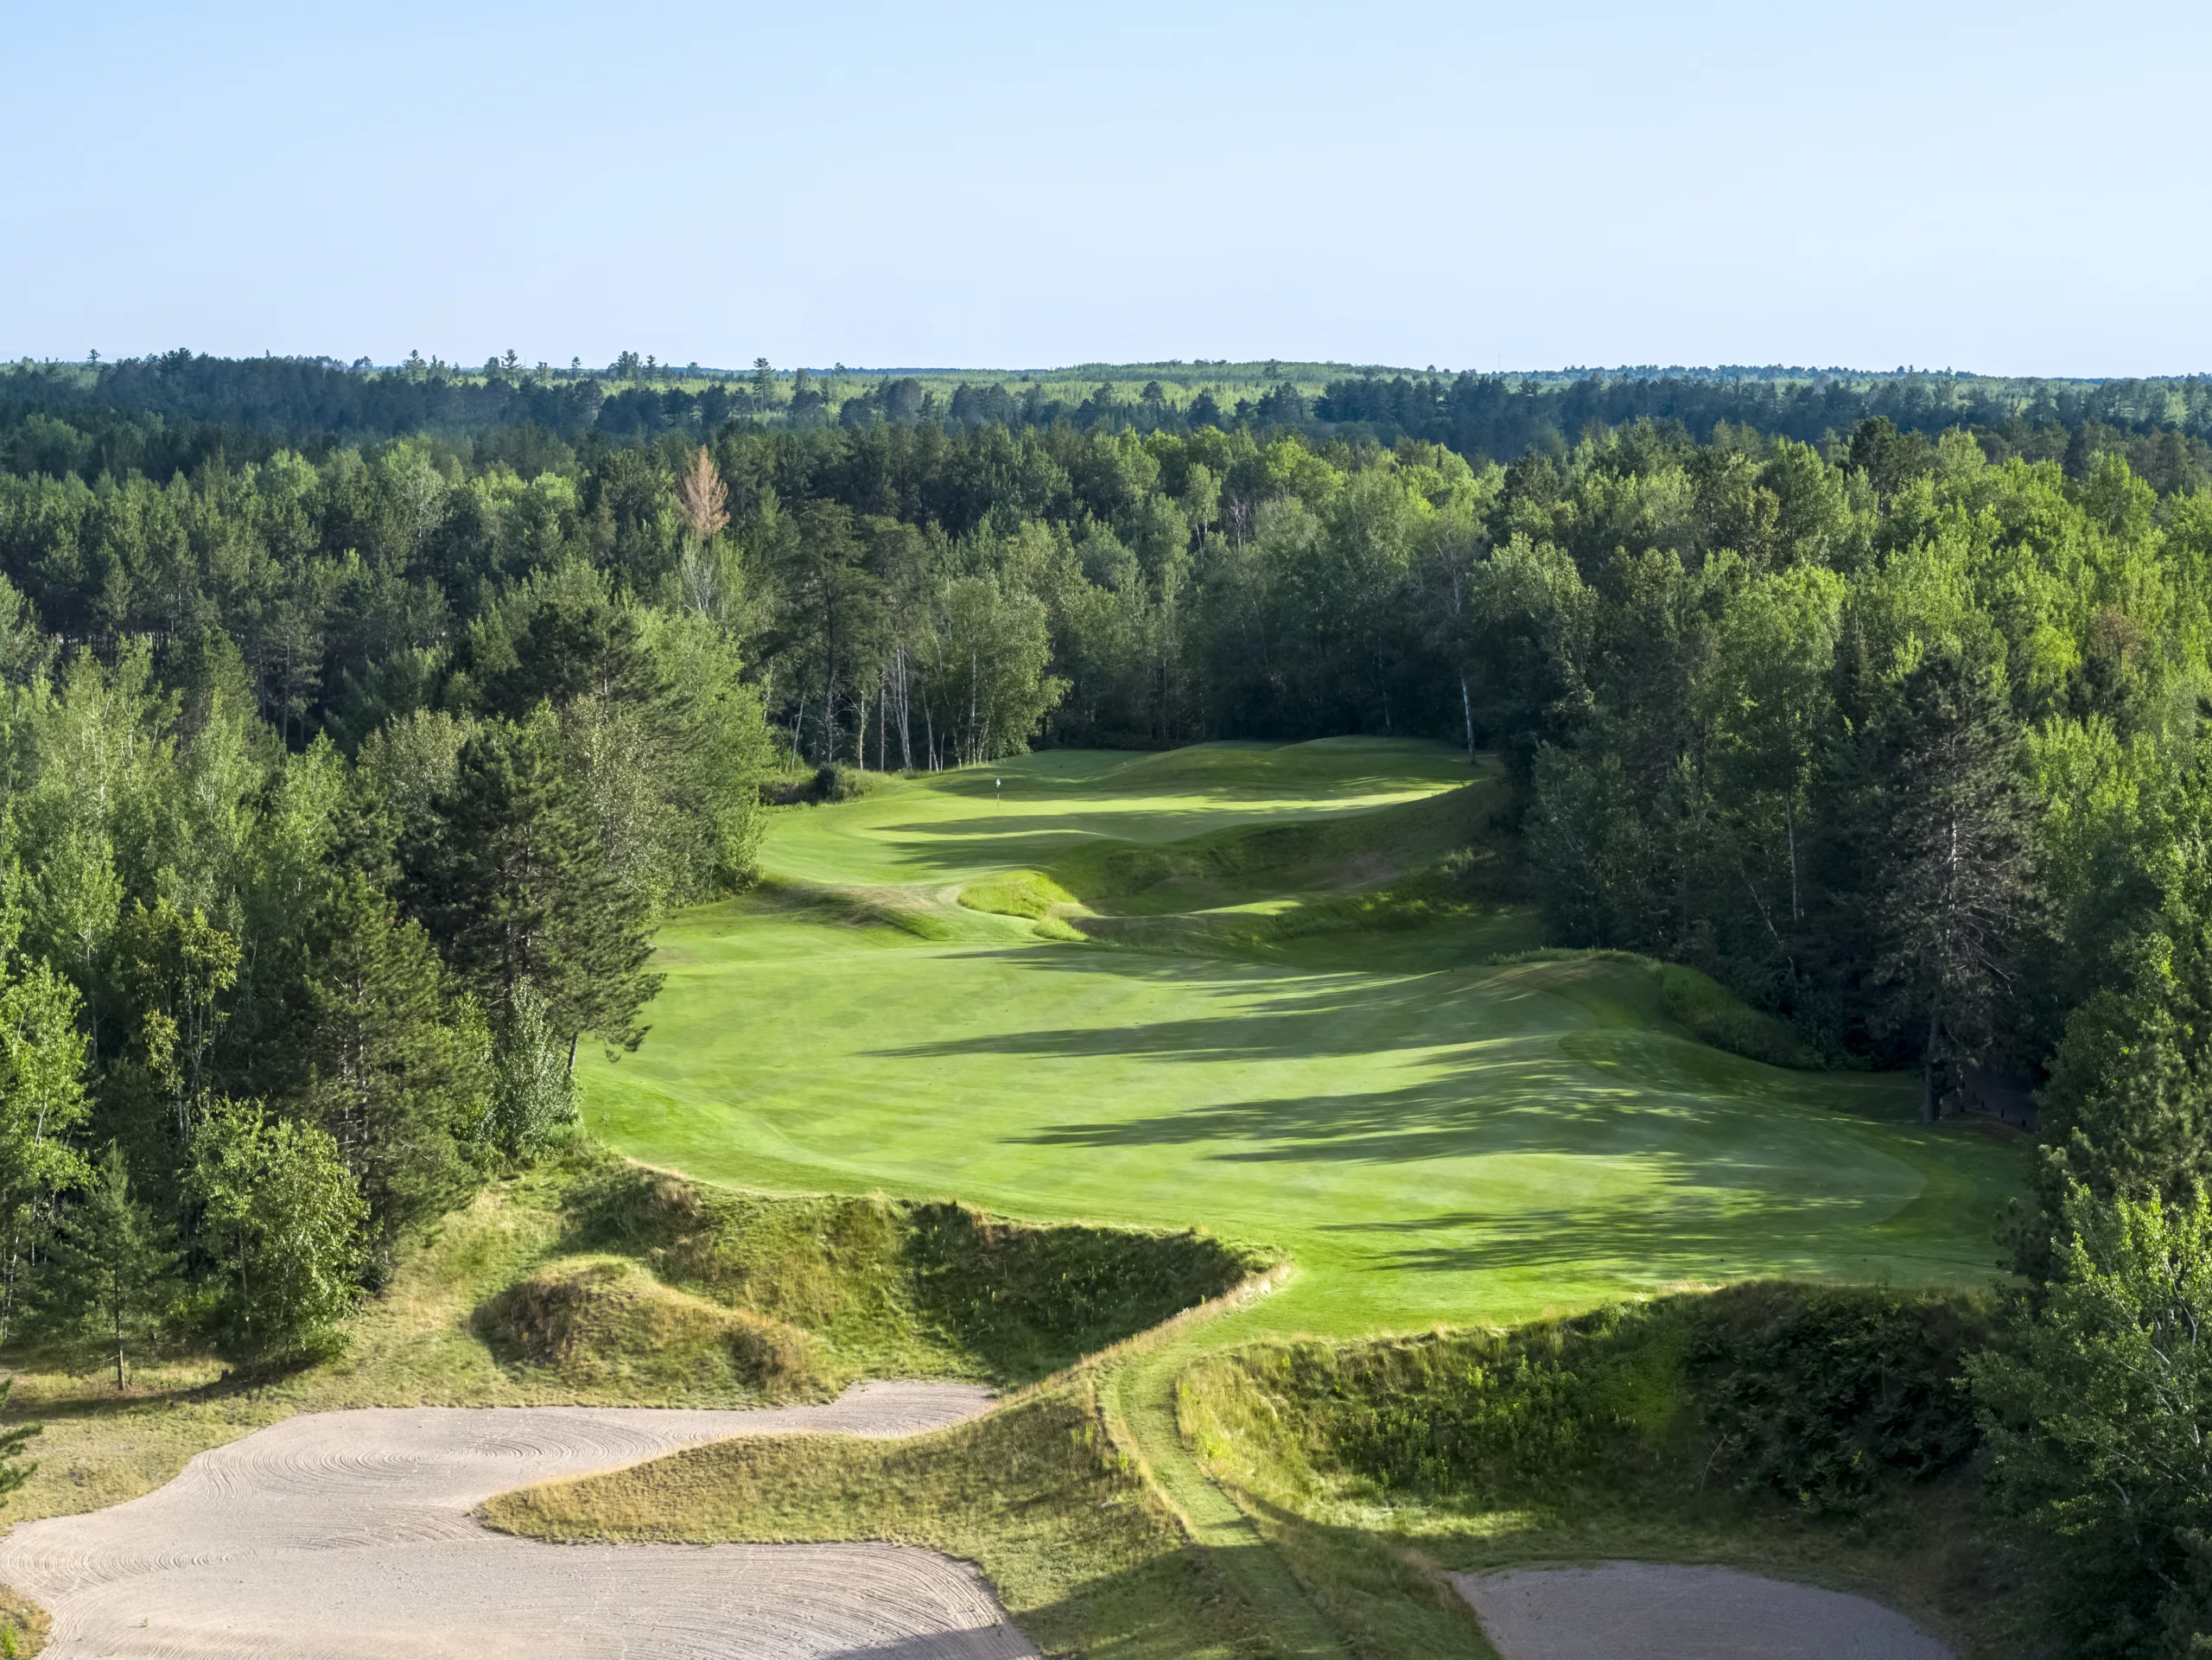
x=1434, y=1136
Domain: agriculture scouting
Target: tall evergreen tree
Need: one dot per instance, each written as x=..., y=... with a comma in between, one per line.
x=394, y=1061
x=511, y=880
x=1936, y=862
x=110, y=1273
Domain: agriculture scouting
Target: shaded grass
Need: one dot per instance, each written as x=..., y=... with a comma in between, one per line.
x=1716, y=1015
x=1082, y=1553
x=1816, y=1433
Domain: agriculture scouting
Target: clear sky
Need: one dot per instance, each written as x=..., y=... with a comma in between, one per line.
x=2019, y=189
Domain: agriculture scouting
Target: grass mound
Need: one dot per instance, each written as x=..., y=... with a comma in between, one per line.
x=1820, y=1432
x=1714, y=1015
x=1334, y=854
x=1019, y=893
x=1082, y=1555
x=901, y=1287
x=605, y=1323
x=588, y=1280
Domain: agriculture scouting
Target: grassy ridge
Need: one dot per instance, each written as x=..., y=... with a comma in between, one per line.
x=1081, y=1551
x=591, y=1280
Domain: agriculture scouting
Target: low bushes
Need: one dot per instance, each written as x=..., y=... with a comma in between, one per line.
x=1826, y=1398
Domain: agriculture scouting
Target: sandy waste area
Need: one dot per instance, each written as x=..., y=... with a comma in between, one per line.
x=1658, y=1611
x=347, y=1536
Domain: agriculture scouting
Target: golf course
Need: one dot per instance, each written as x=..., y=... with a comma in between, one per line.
x=1289, y=996
x=1287, y=1028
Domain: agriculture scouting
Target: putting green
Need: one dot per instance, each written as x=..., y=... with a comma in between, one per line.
x=1435, y=1138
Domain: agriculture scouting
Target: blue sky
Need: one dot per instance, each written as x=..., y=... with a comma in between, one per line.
x=2019, y=189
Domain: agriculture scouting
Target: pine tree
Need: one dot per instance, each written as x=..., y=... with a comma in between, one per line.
x=395, y=1063
x=109, y=1274
x=511, y=880
x=1944, y=876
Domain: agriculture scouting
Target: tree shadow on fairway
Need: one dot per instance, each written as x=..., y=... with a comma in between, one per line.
x=1693, y=1232
x=1257, y=1011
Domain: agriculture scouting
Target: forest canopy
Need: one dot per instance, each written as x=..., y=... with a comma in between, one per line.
x=359, y=727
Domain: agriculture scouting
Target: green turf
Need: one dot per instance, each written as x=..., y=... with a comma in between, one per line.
x=1436, y=1138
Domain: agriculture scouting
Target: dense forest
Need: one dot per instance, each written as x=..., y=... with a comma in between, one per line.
x=358, y=730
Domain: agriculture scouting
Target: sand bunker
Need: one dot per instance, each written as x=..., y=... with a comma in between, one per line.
x=348, y=1534
x=1652, y=1611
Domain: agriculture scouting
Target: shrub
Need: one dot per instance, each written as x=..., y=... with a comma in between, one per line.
x=1825, y=1396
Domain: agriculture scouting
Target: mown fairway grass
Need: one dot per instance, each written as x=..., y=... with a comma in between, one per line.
x=1435, y=1137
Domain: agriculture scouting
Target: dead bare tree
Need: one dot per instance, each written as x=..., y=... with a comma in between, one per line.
x=703, y=500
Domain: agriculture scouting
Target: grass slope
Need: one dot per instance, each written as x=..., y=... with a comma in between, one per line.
x=1435, y=1134
x=590, y=1279
x=1816, y=1433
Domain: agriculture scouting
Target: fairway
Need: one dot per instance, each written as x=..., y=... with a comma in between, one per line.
x=1435, y=1136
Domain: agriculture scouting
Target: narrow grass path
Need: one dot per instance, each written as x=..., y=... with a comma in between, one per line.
x=1139, y=1401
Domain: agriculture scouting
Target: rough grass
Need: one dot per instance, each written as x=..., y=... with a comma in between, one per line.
x=24, y=1626
x=591, y=1280
x=1817, y=1433
x=1716, y=1015
x=600, y=1323
x=1084, y=1556
x=1018, y=894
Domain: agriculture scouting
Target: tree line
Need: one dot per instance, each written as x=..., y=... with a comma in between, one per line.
x=275, y=991
x=157, y=411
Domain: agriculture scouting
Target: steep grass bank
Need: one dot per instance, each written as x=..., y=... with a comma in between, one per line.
x=591, y=1280
x=1816, y=1433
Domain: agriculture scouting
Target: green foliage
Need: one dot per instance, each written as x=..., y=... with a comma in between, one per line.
x=42, y=1106
x=395, y=1058
x=281, y=1224
x=1829, y=1399
x=512, y=880
x=2095, y=1412
x=2125, y=1112
x=109, y=1277
x=533, y=1096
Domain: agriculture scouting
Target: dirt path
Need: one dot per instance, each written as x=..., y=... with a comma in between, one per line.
x=346, y=1536
x=1656, y=1611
